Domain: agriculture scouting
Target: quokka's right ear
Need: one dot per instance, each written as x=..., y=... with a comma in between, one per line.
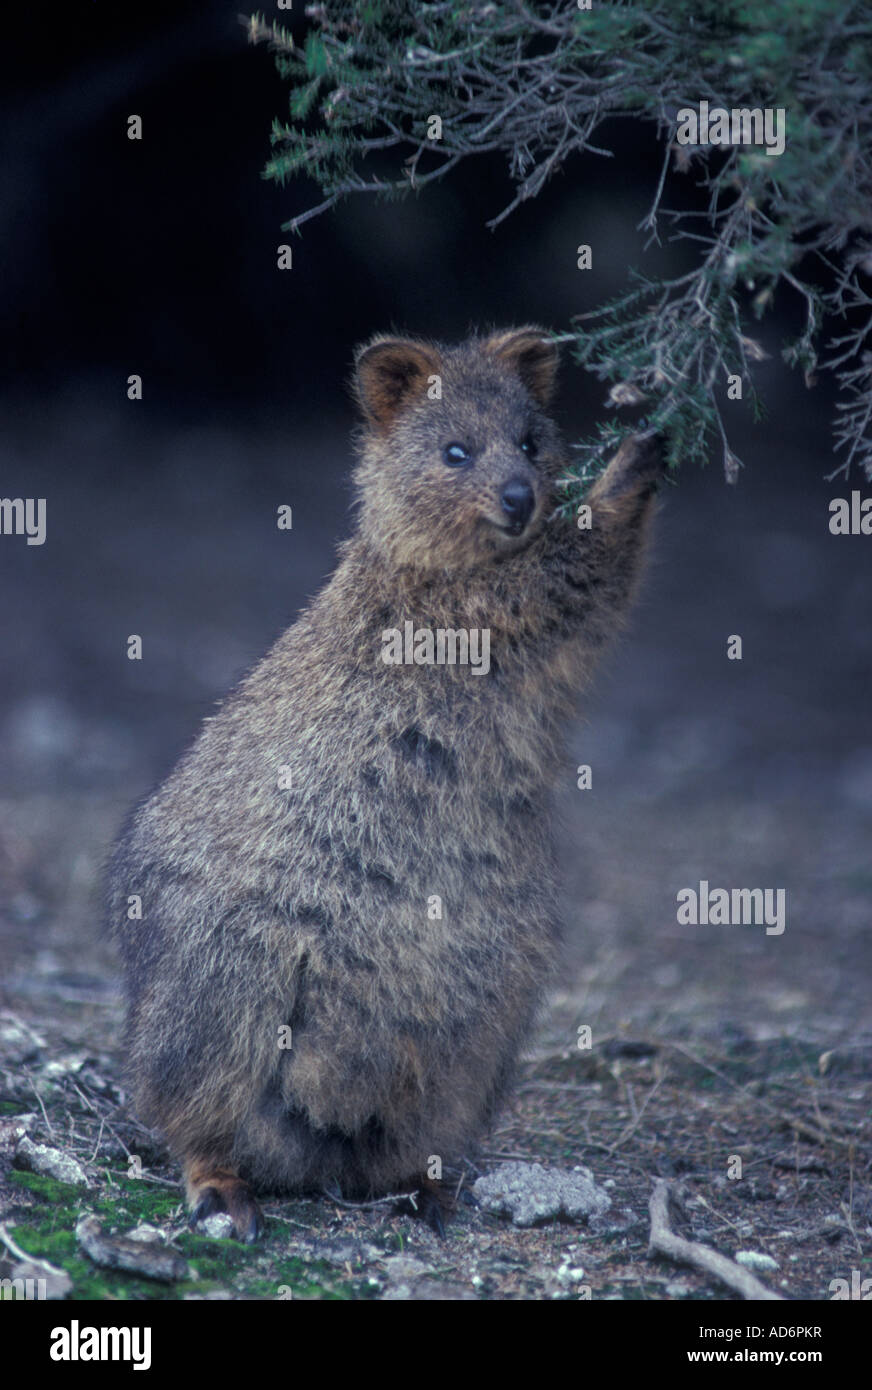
x=389, y=373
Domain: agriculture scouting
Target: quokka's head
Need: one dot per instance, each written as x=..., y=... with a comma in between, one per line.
x=457, y=455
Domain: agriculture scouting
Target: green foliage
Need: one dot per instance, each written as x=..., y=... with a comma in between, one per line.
x=536, y=81
x=46, y=1230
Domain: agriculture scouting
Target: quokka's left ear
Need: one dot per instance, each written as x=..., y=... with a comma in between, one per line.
x=532, y=354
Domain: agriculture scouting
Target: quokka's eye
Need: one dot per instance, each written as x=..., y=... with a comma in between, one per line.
x=528, y=444
x=456, y=455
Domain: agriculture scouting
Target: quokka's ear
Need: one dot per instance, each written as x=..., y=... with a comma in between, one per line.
x=389, y=373
x=531, y=354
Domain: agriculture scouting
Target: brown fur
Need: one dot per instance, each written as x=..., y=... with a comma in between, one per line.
x=307, y=907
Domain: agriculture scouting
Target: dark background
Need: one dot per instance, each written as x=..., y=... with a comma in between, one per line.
x=159, y=258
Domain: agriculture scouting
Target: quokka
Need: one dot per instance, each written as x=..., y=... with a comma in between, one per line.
x=347, y=883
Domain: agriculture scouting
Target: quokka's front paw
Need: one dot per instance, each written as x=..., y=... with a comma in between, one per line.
x=648, y=454
x=638, y=466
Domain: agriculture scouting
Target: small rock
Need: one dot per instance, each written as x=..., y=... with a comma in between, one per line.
x=219, y=1226
x=567, y=1273
x=753, y=1259
x=151, y=1259
x=51, y=1163
x=677, y=1290
x=530, y=1193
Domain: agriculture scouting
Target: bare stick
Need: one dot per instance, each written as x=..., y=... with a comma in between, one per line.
x=376, y=1201
x=20, y=1254
x=664, y=1241
x=48, y=1123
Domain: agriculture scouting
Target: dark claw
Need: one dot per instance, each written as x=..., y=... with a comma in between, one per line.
x=427, y=1206
x=211, y=1203
x=430, y=1210
x=651, y=452
x=253, y=1228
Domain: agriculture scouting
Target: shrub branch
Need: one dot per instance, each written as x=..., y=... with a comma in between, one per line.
x=535, y=83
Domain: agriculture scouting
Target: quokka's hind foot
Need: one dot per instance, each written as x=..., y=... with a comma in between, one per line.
x=211, y=1189
x=430, y=1204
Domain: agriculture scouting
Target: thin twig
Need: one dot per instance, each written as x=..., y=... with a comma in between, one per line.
x=664, y=1241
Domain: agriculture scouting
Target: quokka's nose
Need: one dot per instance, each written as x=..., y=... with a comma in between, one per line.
x=517, y=502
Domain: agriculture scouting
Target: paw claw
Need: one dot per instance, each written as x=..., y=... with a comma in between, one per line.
x=428, y=1206
x=235, y=1199
x=210, y=1203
